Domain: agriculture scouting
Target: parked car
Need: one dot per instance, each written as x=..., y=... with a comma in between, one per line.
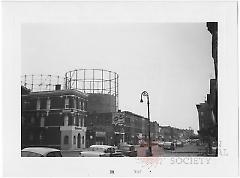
x=215, y=148
x=99, y=151
x=118, y=153
x=169, y=145
x=154, y=143
x=179, y=143
x=128, y=150
x=160, y=143
x=184, y=141
x=40, y=152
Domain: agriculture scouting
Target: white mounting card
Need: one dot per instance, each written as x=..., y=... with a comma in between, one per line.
x=163, y=47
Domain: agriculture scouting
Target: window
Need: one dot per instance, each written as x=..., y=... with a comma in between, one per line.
x=38, y=104
x=80, y=105
x=74, y=140
x=74, y=103
x=66, y=140
x=66, y=103
x=42, y=121
x=41, y=137
x=66, y=120
x=127, y=120
x=48, y=104
x=82, y=139
x=82, y=122
x=74, y=120
x=83, y=105
x=32, y=120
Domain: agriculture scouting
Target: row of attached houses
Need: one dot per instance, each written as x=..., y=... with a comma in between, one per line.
x=208, y=111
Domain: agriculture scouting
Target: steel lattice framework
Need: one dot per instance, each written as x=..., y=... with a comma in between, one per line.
x=93, y=81
x=41, y=82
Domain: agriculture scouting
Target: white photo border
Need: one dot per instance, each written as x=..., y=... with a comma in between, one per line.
x=15, y=13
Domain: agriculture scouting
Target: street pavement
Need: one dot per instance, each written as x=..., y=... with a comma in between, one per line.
x=186, y=150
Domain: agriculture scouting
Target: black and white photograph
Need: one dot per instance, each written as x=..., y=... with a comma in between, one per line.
x=144, y=88
x=134, y=89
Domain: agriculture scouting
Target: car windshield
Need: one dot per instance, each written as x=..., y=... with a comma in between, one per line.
x=30, y=154
x=110, y=150
x=104, y=150
x=97, y=149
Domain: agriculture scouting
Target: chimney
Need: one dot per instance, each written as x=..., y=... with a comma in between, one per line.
x=58, y=87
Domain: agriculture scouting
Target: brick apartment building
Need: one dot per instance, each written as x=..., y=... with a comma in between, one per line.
x=54, y=119
x=115, y=127
x=208, y=111
x=168, y=133
x=135, y=127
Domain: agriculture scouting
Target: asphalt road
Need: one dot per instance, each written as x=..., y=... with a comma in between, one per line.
x=186, y=150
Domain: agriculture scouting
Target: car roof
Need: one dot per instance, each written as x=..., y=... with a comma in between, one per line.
x=101, y=146
x=125, y=144
x=40, y=150
x=168, y=142
x=93, y=152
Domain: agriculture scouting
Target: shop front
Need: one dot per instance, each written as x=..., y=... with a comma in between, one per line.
x=73, y=137
x=101, y=138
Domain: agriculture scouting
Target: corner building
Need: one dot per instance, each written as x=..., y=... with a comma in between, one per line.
x=54, y=119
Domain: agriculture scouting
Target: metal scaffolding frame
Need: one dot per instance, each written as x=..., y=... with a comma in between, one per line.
x=41, y=82
x=93, y=81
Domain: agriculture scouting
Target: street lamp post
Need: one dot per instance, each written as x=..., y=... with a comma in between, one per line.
x=144, y=93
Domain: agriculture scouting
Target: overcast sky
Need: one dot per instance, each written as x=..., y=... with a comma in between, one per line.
x=172, y=62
